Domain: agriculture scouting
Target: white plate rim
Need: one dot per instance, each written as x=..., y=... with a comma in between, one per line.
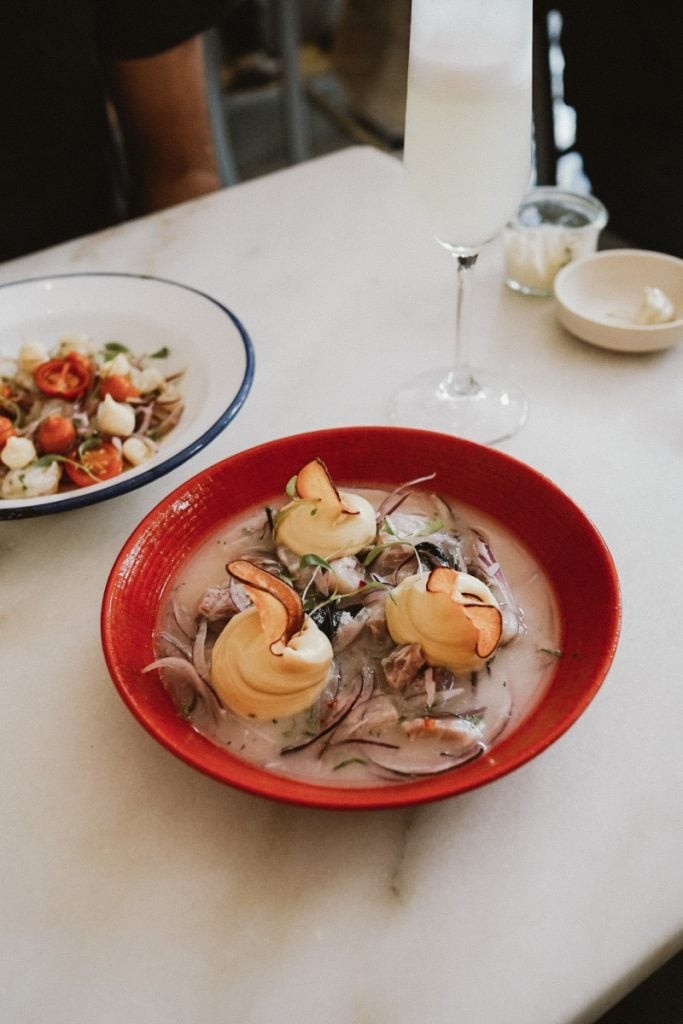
x=26, y=507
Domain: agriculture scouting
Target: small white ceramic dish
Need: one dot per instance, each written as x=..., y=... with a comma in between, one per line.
x=204, y=339
x=598, y=298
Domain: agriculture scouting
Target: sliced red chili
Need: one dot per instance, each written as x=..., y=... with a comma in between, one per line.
x=98, y=463
x=63, y=378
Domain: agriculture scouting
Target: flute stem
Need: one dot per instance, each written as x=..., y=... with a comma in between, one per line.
x=459, y=380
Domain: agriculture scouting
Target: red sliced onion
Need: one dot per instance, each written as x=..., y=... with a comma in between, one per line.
x=481, y=562
x=177, y=671
x=144, y=414
x=199, y=650
x=397, y=496
x=168, y=422
x=175, y=643
x=338, y=716
x=398, y=763
x=186, y=622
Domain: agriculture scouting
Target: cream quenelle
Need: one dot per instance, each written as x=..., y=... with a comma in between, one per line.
x=452, y=615
x=270, y=660
x=322, y=520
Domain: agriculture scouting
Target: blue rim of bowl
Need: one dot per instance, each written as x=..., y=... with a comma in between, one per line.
x=91, y=497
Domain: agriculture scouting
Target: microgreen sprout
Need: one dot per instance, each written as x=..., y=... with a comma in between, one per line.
x=348, y=761
x=316, y=560
x=363, y=589
x=89, y=444
x=426, y=530
x=551, y=650
x=47, y=460
x=278, y=516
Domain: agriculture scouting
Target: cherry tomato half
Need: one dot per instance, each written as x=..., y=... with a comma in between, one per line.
x=119, y=387
x=100, y=463
x=63, y=378
x=55, y=435
x=6, y=430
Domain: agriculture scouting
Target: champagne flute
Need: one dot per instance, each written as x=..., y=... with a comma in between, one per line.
x=467, y=161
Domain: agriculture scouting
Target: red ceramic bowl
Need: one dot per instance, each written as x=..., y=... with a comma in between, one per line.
x=566, y=544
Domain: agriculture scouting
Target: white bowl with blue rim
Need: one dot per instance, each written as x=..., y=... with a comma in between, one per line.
x=205, y=340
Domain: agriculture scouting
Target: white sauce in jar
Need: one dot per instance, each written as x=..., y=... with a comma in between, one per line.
x=534, y=256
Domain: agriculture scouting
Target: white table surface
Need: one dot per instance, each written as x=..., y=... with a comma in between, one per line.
x=136, y=889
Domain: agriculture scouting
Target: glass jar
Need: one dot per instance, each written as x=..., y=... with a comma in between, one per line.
x=552, y=227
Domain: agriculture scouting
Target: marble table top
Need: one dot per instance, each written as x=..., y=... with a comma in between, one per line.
x=136, y=889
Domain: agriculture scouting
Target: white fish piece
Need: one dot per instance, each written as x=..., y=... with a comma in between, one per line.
x=32, y=482
x=346, y=576
x=150, y=378
x=452, y=729
x=119, y=366
x=370, y=717
x=137, y=450
x=402, y=665
x=350, y=626
x=18, y=452
x=75, y=342
x=115, y=418
x=31, y=355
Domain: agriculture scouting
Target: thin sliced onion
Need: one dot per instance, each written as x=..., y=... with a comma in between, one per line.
x=199, y=650
x=178, y=669
x=338, y=717
x=429, y=756
x=397, y=496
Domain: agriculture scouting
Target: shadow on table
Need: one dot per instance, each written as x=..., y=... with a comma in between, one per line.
x=657, y=1000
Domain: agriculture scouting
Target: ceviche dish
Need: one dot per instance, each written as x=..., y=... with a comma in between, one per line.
x=357, y=637
x=75, y=414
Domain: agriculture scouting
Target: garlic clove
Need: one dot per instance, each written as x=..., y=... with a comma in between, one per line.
x=115, y=418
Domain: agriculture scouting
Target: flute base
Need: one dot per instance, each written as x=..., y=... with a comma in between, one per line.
x=472, y=404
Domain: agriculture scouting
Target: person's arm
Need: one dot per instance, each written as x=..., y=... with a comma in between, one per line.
x=162, y=107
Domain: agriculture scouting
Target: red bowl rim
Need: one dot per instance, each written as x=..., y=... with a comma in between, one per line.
x=197, y=751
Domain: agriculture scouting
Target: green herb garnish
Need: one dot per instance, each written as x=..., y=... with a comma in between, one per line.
x=89, y=444
x=47, y=460
x=551, y=650
x=375, y=585
x=426, y=530
x=350, y=760
x=315, y=560
x=114, y=348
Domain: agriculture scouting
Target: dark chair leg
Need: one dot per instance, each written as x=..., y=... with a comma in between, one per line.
x=544, y=129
